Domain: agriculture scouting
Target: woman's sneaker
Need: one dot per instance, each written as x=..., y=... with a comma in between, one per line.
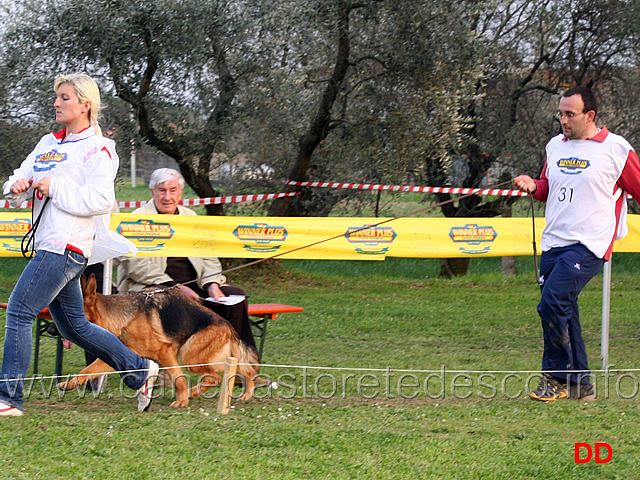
x=7, y=410
x=550, y=389
x=145, y=393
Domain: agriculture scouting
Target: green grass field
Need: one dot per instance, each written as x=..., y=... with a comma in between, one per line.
x=390, y=373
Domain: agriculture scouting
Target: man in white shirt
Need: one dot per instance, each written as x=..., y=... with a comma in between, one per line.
x=585, y=180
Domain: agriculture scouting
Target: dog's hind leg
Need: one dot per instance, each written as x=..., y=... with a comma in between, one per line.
x=95, y=370
x=209, y=378
x=207, y=382
x=206, y=353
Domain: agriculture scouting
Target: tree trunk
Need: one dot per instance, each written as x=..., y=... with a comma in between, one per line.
x=321, y=123
x=454, y=267
x=197, y=177
x=508, y=266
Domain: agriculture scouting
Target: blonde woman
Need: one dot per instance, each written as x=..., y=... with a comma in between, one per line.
x=70, y=176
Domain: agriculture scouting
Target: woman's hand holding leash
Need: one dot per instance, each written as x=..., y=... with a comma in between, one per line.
x=21, y=185
x=42, y=186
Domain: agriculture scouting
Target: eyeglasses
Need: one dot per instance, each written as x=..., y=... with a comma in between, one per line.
x=569, y=115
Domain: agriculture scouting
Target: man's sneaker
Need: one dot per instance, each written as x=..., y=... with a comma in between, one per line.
x=7, y=410
x=582, y=392
x=550, y=389
x=145, y=393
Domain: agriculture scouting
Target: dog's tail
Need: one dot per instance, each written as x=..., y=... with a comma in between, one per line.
x=247, y=365
x=245, y=355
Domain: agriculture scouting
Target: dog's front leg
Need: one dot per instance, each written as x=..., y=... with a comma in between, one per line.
x=95, y=370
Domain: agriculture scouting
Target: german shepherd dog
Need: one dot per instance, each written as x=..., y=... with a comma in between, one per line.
x=164, y=326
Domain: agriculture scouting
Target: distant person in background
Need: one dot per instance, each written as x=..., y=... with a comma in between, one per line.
x=194, y=277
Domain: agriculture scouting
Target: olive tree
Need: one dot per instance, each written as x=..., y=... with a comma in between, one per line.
x=441, y=93
x=177, y=66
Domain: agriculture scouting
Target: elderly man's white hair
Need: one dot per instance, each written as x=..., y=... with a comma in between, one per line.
x=162, y=175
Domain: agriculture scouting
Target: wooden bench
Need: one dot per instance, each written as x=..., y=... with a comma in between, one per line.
x=261, y=313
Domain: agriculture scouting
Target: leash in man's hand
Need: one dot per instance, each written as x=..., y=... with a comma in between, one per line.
x=451, y=200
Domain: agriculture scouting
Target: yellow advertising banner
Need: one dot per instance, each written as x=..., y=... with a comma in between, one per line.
x=245, y=237
x=329, y=238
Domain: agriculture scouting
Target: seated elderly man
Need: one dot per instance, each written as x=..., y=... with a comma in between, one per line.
x=196, y=277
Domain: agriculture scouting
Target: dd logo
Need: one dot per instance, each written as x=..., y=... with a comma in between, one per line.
x=597, y=447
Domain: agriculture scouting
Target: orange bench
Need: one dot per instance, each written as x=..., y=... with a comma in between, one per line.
x=262, y=313
x=265, y=312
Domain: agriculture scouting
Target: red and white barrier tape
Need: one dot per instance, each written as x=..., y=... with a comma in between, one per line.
x=5, y=204
x=192, y=201
x=409, y=188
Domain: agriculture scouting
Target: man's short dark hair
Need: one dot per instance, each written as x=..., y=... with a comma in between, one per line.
x=588, y=98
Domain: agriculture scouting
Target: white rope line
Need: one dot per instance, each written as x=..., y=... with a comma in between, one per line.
x=347, y=369
x=446, y=370
x=118, y=372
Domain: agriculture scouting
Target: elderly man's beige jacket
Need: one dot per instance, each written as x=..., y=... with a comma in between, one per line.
x=136, y=273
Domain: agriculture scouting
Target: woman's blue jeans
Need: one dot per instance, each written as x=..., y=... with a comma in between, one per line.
x=53, y=280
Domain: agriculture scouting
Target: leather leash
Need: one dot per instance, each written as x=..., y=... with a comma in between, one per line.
x=451, y=200
x=535, y=250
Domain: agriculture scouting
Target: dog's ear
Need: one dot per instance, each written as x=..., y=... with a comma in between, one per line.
x=89, y=286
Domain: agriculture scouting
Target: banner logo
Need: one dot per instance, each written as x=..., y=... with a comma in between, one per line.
x=13, y=231
x=473, y=236
x=146, y=231
x=372, y=239
x=49, y=160
x=573, y=165
x=261, y=237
